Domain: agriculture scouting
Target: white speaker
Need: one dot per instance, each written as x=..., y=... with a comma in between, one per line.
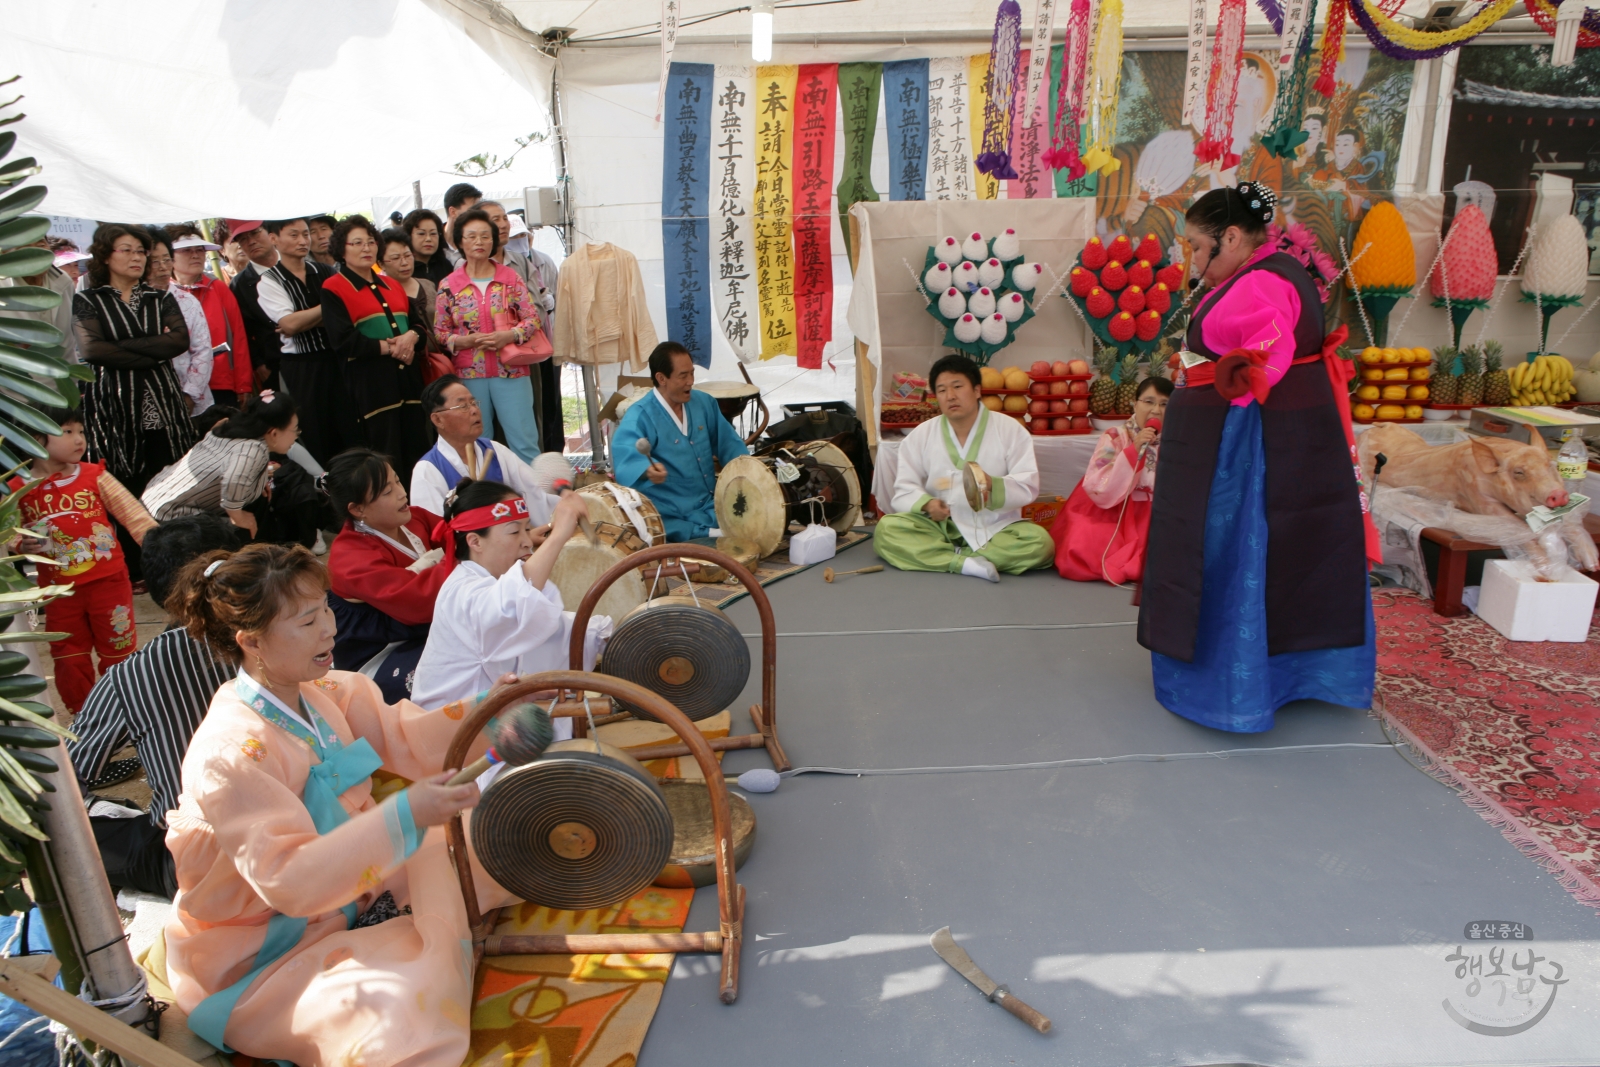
x=542, y=204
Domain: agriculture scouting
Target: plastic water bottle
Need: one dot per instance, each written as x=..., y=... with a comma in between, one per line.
x=1573, y=462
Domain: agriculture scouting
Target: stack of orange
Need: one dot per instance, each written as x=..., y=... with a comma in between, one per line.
x=1394, y=384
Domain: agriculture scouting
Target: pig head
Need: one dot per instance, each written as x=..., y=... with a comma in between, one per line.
x=1482, y=476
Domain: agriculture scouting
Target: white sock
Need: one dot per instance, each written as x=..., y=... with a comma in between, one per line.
x=979, y=567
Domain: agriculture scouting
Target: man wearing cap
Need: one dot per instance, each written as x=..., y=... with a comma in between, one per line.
x=231, y=375
x=257, y=243
x=322, y=227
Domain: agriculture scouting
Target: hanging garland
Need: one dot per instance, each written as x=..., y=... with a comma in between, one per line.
x=1068, y=126
x=1403, y=42
x=1544, y=13
x=1286, y=134
x=1332, y=46
x=995, y=159
x=1222, y=91
x=1105, y=88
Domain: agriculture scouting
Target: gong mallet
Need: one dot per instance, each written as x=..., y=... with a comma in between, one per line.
x=642, y=447
x=829, y=574
x=518, y=736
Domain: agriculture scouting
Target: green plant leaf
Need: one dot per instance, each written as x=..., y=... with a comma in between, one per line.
x=22, y=262
x=28, y=417
x=15, y=815
x=42, y=591
x=20, y=638
x=8, y=141
x=83, y=372
x=21, y=202
x=29, y=331
x=70, y=396
x=42, y=392
x=25, y=230
x=11, y=857
x=29, y=298
x=20, y=170
x=19, y=775
x=21, y=440
x=34, y=361
x=46, y=560
x=36, y=719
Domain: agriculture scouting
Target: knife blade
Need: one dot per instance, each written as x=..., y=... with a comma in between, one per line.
x=957, y=957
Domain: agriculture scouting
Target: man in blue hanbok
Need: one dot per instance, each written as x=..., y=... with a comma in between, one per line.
x=689, y=441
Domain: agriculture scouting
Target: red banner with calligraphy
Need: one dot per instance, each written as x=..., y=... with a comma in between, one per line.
x=813, y=211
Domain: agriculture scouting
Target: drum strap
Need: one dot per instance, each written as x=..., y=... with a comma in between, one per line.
x=628, y=500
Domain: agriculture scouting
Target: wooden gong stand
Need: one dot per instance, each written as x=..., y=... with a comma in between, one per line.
x=728, y=936
x=764, y=714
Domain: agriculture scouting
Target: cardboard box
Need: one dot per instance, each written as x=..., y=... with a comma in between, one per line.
x=1544, y=425
x=1044, y=510
x=1523, y=608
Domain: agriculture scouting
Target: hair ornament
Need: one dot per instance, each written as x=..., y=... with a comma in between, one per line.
x=268, y=396
x=1261, y=200
x=211, y=568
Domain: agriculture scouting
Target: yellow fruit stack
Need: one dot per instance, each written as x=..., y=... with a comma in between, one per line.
x=1393, y=384
x=1547, y=380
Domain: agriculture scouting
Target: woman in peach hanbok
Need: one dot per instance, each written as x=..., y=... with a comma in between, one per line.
x=313, y=923
x=1100, y=533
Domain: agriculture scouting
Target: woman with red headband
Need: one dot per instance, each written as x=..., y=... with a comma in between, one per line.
x=498, y=611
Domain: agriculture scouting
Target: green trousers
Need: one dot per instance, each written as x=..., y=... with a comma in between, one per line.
x=911, y=541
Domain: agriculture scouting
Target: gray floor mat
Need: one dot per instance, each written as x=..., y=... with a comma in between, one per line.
x=1326, y=888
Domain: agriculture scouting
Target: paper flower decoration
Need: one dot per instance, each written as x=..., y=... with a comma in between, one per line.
x=1557, y=274
x=1464, y=276
x=1383, y=264
x=978, y=309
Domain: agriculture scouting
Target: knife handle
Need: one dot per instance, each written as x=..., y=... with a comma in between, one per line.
x=1004, y=997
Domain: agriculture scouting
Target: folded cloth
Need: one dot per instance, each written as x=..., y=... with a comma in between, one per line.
x=1244, y=370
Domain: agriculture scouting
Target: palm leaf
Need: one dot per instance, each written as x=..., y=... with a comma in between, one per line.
x=22, y=440
x=29, y=331
x=29, y=417
x=41, y=636
x=19, y=170
x=20, y=775
x=20, y=203
x=50, y=591
x=36, y=361
x=22, y=262
x=34, y=718
x=8, y=141
x=34, y=390
x=29, y=298
x=16, y=816
x=25, y=230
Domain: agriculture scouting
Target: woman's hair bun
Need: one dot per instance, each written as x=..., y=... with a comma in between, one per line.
x=1259, y=200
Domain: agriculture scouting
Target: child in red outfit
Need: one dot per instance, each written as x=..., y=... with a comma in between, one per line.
x=68, y=515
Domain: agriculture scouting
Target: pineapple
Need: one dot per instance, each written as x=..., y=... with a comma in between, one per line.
x=1103, y=391
x=1444, y=387
x=1128, y=391
x=1496, y=382
x=1471, y=375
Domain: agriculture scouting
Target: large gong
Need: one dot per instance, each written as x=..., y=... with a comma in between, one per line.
x=583, y=826
x=694, y=656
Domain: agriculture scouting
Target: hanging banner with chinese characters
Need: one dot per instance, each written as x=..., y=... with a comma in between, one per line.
x=1194, y=68
x=984, y=186
x=1037, y=61
x=685, y=186
x=669, y=41
x=1029, y=139
x=905, y=116
x=813, y=209
x=1065, y=183
x=733, y=168
x=774, y=207
x=949, y=129
x=858, y=107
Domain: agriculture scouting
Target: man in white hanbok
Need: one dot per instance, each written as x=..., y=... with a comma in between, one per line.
x=933, y=527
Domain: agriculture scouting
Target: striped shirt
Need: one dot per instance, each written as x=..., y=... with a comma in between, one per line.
x=282, y=293
x=155, y=698
x=219, y=472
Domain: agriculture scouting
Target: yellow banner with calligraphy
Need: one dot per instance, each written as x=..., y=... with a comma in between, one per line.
x=774, y=207
x=986, y=186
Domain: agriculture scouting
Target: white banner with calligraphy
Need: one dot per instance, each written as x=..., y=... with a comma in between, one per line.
x=949, y=130
x=1196, y=68
x=1294, y=27
x=669, y=41
x=733, y=178
x=1044, y=20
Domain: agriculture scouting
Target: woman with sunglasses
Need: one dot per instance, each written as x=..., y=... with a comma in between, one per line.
x=1255, y=581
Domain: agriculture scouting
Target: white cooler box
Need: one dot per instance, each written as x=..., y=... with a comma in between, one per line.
x=1523, y=608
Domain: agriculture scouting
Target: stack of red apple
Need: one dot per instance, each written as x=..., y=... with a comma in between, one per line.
x=1126, y=291
x=1058, y=398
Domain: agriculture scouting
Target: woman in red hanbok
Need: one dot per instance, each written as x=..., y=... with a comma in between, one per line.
x=1100, y=533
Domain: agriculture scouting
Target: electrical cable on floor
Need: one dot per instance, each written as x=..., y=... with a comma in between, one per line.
x=1088, y=761
x=955, y=629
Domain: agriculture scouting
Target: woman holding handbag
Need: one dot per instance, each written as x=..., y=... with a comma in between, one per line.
x=486, y=319
x=381, y=350
x=400, y=263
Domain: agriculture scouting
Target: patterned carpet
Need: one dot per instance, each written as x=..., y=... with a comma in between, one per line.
x=1513, y=726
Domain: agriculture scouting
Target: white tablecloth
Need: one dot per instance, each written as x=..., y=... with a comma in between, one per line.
x=1062, y=461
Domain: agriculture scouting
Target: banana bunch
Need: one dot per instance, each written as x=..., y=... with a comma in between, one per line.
x=1547, y=380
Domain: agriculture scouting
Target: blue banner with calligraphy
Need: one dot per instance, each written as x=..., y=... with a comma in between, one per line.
x=685, y=189
x=905, y=113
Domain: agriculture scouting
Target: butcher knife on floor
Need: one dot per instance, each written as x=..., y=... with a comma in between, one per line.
x=957, y=957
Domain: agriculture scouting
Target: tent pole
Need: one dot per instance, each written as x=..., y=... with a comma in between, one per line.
x=416, y=194
x=591, y=381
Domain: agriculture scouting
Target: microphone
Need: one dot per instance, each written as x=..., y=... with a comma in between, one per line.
x=1152, y=423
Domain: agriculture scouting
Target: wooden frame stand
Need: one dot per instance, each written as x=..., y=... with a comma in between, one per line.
x=728, y=936
x=764, y=714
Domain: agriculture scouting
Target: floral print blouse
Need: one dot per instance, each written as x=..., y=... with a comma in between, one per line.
x=459, y=310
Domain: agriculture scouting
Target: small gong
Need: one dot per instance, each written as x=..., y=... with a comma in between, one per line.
x=693, y=655
x=583, y=826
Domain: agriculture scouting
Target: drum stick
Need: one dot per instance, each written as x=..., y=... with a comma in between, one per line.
x=828, y=573
x=562, y=487
x=642, y=446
